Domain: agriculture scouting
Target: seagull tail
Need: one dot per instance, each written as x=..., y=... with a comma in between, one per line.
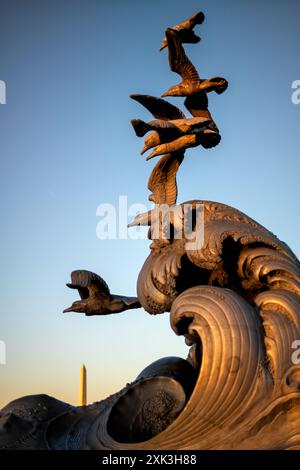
x=221, y=85
x=140, y=127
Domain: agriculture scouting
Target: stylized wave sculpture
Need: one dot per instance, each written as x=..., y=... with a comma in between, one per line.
x=238, y=388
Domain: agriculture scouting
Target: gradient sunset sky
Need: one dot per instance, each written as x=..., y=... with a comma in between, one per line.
x=67, y=146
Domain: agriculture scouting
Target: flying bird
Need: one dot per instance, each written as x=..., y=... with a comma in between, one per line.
x=191, y=82
x=96, y=298
x=170, y=122
x=185, y=30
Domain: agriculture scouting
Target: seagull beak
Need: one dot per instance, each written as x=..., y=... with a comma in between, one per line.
x=68, y=310
x=152, y=155
x=134, y=223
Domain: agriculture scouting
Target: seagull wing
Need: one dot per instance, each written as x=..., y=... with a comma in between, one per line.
x=84, y=281
x=159, y=108
x=162, y=181
x=179, y=62
x=197, y=104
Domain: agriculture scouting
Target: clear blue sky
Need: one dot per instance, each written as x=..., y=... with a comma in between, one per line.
x=67, y=145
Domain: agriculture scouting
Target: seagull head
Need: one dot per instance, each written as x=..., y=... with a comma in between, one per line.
x=78, y=306
x=143, y=219
x=173, y=91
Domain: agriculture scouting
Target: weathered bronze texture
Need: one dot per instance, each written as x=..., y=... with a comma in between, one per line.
x=191, y=82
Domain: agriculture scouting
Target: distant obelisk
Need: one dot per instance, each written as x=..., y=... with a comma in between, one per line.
x=82, y=389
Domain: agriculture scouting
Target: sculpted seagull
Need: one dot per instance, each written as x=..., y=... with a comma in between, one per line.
x=96, y=298
x=191, y=82
x=206, y=137
x=185, y=30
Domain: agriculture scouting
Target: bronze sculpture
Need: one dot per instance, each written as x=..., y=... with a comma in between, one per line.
x=191, y=82
x=235, y=299
x=96, y=298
